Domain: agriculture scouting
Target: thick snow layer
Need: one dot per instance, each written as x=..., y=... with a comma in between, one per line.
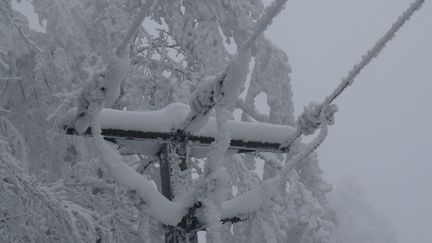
x=170, y=117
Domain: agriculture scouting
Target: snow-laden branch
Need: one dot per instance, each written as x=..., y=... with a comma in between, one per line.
x=273, y=162
x=254, y=199
x=104, y=87
x=225, y=88
x=68, y=100
x=162, y=209
x=251, y=111
x=365, y=60
x=310, y=120
x=3, y=53
x=145, y=9
x=4, y=68
x=266, y=19
x=290, y=163
x=376, y=49
x=214, y=178
x=30, y=43
x=4, y=219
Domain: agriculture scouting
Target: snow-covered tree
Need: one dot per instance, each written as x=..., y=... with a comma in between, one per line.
x=188, y=57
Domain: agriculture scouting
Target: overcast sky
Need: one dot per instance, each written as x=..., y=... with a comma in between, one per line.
x=382, y=135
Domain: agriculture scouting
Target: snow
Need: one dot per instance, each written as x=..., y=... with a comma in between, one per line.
x=114, y=74
x=145, y=9
x=251, y=111
x=236, y=75
x=87, y=30
x=104, y=87
x=215, y=176
x=222, y=89
x=172, y=116
x=161, y=208
x=252, y=200
x=102, y=90
x=226, y=87
x=309, y=120
x=249, y=131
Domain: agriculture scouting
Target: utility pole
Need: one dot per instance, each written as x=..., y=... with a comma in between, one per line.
x=175, y=151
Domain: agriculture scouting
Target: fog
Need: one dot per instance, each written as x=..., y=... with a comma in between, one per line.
x=382, y=136
x=382, y=131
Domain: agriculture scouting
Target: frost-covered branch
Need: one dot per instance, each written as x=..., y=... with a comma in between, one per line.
x=68, y=99
x=103, y=89
x=2, y=53
x=30, y=43
x=225, y=87
x=251, y=111
x=72, y=222
x=357, y=68
x=4, y=219
x=273, y=162
x=310, y=120
x=254, y=199
x=214, y=178
x=145, y=48
x=376, y=49
x=164, y=210
x=316, y=115
x=145, y=9
x=223, y=90
x=4, y=68
x=292, y=162
x=262, y=24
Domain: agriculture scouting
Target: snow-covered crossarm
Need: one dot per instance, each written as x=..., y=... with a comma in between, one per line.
x=159, y=126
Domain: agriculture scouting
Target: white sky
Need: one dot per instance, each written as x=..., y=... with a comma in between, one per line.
x=383, y=127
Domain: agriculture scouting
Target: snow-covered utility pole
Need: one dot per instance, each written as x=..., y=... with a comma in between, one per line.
x=176, y=147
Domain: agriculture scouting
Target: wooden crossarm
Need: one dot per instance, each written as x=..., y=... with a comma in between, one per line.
x=160, y=127
x=242, y=146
